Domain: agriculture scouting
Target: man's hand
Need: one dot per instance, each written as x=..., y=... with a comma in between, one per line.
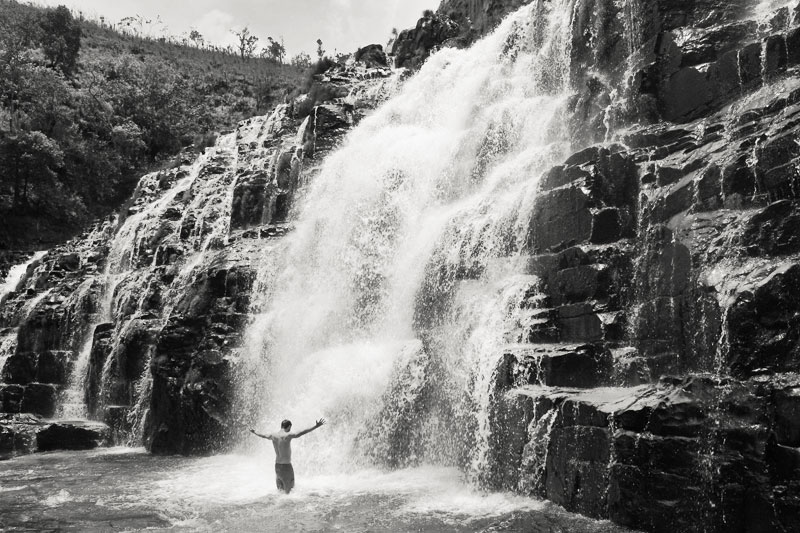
x=320, y=422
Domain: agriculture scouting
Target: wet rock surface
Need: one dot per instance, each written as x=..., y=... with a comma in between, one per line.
x=651, y=376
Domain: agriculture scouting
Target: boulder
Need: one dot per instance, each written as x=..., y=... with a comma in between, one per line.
x=372, y=56
x=40, y=399
x=11, y=398
x=412, y=47
x=71, y=435
x=556, y=365
x=18, y=434
x=69, y=261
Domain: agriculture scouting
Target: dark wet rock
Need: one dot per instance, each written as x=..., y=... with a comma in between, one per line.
x=326, y=128
x=18, y=434
x=11, y=398
x=71, y=435
x=20, y=368
x=633, y=453
x=559, y=365
x=775, y=230
x=483, y=16
x=192, y=381
x=372, y=56
x=590, y=198
x=31, y=398
x=70, y=261
x=40, y=399
x=52, y=366
x=189, y=396
x=117, y=418
x=263, y=195
x=762, y=324
x=412, y=47
x=712, y=236
x=102, y=340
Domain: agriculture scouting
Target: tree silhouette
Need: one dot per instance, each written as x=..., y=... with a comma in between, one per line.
x=275, y=51
x=196, y=38
x=247, y=42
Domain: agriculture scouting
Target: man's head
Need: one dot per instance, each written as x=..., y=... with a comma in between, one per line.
x=286, y=425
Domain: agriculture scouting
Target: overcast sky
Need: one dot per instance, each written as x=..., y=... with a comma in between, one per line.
x=341, y=24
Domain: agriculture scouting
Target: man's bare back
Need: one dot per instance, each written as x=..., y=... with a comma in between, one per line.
x=282, y=442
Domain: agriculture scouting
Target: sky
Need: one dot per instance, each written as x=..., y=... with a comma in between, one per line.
x=343, y=25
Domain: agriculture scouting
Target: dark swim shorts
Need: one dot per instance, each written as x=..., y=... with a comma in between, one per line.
x=284, y=477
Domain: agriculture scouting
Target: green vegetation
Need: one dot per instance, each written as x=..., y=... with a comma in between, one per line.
x=86, y=109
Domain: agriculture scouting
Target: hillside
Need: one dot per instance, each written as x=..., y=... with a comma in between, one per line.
x=85, y=110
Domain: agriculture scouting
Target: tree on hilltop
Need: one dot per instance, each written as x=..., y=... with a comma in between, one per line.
x=275, y=51
x=247, y=42
x=196, y=38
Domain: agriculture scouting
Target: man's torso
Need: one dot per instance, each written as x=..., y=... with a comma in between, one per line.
x=283, y=448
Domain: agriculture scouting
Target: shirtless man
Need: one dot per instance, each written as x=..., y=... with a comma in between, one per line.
x=282, y=442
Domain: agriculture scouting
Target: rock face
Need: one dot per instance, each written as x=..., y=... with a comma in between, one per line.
x=653, y=376
x=412, y=47
x=481, y=16
x=655, y=367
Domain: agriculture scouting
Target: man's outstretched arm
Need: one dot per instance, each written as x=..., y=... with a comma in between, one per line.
x=319, y=423
x=268, y=437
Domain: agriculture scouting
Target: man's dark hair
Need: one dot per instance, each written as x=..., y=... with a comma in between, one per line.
x=286, y=424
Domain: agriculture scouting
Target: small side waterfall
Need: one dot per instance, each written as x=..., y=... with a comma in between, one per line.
x=11, y=284
x=16, y=273
x=132, y=265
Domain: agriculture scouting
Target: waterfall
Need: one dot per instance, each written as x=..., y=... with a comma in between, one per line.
x=410, y=239
x=133, y=264
x=16, y=274
x=10, y=284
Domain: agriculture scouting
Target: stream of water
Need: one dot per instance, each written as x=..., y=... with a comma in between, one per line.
x=125, y=489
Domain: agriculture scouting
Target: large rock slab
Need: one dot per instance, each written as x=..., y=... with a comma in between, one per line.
x=632, y=454
x=71, y=435
x=22, y=434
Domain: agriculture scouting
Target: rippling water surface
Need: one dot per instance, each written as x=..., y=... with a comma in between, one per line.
x=122, y=489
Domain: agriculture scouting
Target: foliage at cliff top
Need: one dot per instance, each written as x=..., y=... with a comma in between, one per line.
x=85, y=110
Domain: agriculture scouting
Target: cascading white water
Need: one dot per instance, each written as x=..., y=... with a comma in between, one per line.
x=425, y=193
x=16, y=273
x=11, y=283
x=130, y=263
